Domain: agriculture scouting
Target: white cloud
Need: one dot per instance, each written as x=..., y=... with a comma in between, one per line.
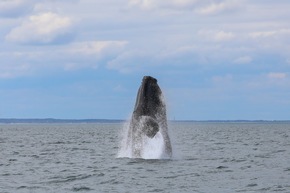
x=219, y=7
x=203, y=7
x=43, y=28
x=277, y=75
x=91, y=52
x=243, y=60
x=184, y=3
x=127, y=62
x=163, y=4
x=215, y=35
x=144, y=4
x=223, y=36
x=271, y=80
x=172, y=39
x=68, y=57
x=275, y=41
x=96, y=47
x=272, y=33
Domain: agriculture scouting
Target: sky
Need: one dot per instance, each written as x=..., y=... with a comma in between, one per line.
x=78, y=59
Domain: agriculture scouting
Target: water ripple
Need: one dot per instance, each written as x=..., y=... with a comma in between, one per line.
x=210, y=157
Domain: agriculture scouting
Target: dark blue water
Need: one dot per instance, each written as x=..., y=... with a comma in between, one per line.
x=208, y=157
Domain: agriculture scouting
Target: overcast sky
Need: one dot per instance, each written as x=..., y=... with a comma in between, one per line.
x=214, y=59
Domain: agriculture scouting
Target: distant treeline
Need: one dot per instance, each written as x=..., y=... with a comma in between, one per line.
x=50, y=120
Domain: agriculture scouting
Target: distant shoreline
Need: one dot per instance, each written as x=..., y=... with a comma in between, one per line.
x=52, y=120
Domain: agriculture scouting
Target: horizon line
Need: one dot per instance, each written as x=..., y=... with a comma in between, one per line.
x=110, y=120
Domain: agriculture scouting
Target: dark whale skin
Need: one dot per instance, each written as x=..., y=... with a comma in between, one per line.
x=149, y=117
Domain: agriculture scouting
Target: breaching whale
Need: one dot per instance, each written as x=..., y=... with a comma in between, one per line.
x=148, y=118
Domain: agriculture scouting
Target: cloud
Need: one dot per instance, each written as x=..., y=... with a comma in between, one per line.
x=96, y=47
x=277, y=75
x=268, y=34
x=66, y=57
x=44, y=28
x=219, y=7
x=164, y=4
x=269, y=81
x=203, y=7
x=223, y=36
x=216, y=35
x=274, y=41
x=243, y=60
x=126, y=62
x=91, y=52
x=15, y=8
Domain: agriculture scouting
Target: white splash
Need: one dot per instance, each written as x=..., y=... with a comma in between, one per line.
x=152, y=148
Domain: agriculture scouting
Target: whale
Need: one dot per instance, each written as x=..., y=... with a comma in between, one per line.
x=148, y=118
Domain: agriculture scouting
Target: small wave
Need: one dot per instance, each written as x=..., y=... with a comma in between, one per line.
x=15, y=153
x=58, y=142
x=191, y=159
x=30, y=187
x=111, y=181
x=35, y=156
x=22, y=187
x=264, y=189
x=252, y=185
x=183, y=175
x=279, y=151
x=222, y=167
x=134, y=161
x=234, y=160
x=245, y=167
x=157, y=190
x=69, y=178
x=279, y=188
x=81, y=188
x=100, y=174
x=263, y=156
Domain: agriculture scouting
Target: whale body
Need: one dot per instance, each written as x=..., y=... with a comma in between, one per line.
x=148, y=118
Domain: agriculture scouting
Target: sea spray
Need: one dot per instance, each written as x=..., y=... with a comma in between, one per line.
x=125, y=149
x=151, y=148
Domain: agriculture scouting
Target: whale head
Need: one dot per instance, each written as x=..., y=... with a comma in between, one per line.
x=148, y=98
x=148, y=106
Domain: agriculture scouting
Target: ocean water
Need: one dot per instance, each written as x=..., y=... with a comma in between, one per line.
x=208, y=158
